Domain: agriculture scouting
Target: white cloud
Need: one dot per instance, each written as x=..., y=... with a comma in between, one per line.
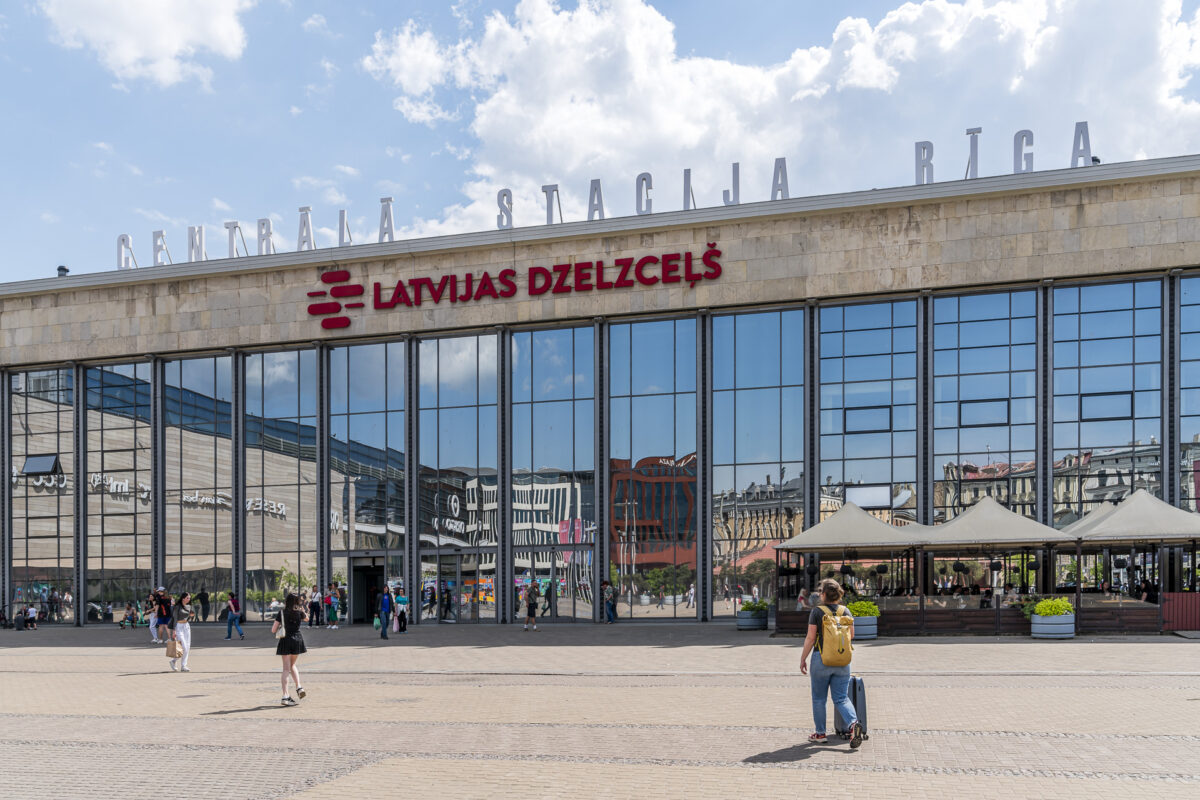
x=134, y=169
x=295, y=111
x=330, y=193
x=601, y=91
x=316, y=24
x=156, y=216
x=220, y=205
x=396, y=152
x=345, y=170
x=329, y=67
x=49, y=217
x=151, y=40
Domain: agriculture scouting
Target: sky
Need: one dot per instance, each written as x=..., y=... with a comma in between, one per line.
x=130, y=116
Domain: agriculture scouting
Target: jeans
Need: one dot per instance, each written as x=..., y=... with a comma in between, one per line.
x=830, y=680
x=384, y=618
x=233, y=620
x=610, y=612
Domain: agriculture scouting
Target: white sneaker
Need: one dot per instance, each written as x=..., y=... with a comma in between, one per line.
x=172, y=665
x=185, y=669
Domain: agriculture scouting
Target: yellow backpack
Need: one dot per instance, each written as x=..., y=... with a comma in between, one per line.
x=836, y=632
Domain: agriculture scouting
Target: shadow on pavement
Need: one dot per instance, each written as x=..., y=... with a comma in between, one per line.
x=227, y=711
x=797, y=752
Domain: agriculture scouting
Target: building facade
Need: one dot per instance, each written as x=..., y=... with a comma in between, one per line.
x=652, y=400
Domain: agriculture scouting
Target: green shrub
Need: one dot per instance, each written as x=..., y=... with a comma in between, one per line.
x=1054, y=607
x=758, y=607
x=863, y=608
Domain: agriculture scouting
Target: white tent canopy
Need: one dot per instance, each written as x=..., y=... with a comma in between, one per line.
x=1080, y=525
x=851, y=527
x=1140, y=517
x=989, y=523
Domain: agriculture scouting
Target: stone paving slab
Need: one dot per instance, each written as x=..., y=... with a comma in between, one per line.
x=651, y=710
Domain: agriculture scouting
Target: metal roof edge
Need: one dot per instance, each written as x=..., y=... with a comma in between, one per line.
x=899, y=195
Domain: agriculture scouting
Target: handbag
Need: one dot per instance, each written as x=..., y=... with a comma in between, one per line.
x=396, y=623
x=282, y=632
x=174, y=649
x=378, y=624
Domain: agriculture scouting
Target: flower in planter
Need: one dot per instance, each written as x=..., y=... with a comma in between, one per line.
x=1054, y=607
x=756, y=608
x=863, y=608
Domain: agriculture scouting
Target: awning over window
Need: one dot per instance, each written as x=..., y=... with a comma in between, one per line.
x=42, y=465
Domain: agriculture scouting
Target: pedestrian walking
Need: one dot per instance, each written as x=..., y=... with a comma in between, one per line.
x=401, y=613
x=609, y=595
x=162, y=613
x=183, y=615
x=531, y=604
x=233, y=616
x=829, y=680
x=331, y=601
x=291, y=646
x=691, y=596
x=314, y=607
x=383, y=610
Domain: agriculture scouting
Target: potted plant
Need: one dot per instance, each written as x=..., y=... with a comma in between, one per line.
x=1053, y=618
x=866, y=619
x=752, y=616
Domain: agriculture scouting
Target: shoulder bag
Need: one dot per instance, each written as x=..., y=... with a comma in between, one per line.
x=282, y=632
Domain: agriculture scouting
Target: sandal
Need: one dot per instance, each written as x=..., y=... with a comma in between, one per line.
x=818, y=738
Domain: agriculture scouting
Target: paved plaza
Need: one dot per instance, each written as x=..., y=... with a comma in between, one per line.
x=629, y=710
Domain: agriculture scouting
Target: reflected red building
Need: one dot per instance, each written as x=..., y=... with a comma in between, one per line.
x=652, y=512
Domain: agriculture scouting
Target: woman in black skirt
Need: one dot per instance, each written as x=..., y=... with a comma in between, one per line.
x=291, y=646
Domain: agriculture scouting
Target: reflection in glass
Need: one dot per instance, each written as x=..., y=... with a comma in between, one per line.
x=984, y=410
x=1107, y=395
x=868, y=405
x=653, y=467
x=758, y=473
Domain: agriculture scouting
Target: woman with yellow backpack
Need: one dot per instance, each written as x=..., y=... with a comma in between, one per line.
x=830, y=633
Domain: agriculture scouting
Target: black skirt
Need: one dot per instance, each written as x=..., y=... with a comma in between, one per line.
x=291, y=646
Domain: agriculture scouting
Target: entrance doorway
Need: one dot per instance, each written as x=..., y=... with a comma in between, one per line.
x=458, y=587
x=564, y=576
x=366, y=582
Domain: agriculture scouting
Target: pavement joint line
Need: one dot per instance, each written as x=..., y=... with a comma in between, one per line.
x=762, y=761
x=764, y=729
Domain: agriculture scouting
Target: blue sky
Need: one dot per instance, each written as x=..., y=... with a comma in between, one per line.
x=126, y=116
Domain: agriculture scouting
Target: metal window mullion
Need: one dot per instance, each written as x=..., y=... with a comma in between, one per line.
x=323, y=511
x=1044, y=455
x=812, y=416
x=1169, y=460
x=412, y=552
x=600, y=555
x=504, y=554
x=926, y=480
x=79, y=491
x=237, y=363
x=704, y=461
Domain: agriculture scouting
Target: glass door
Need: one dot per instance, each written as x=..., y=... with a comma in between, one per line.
x=564, y=579
x=457, y=588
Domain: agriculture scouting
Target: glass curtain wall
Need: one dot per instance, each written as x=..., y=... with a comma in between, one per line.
x=1189, y=393
x=366, y=464
x=868, y=409
x=281, y=477
x=652, y=535
x=118, y=484
x=554, y=469
x=198, y=400
x=1107, y=395
x=984, y=408
x=457, y=510
x=758, y=450
x=42, y=427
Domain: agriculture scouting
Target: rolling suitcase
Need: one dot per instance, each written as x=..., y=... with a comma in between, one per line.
x=858, y=699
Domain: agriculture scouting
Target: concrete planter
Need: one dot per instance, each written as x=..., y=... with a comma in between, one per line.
x=866, y=628
x=1059, y=627
x=751, y=620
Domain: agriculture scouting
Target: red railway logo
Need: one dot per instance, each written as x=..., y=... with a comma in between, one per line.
x=340, y=293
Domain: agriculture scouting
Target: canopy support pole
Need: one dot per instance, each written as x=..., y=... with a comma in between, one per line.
x=920, y=555
x=1078, y=581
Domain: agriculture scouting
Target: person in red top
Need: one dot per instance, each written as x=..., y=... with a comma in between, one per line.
x=233, y=618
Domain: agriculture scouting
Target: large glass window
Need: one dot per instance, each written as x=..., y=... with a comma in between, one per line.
x=118, y=481
x=281, y=476
x=1107, y=394
x=43, y=482
x=868, y=414
x=758, y=449
x=1189, y=394
x=652, y=534
x=984, y=409
x=198, y=394
x=366, y=465
x=457, y=507
x=554, y=468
